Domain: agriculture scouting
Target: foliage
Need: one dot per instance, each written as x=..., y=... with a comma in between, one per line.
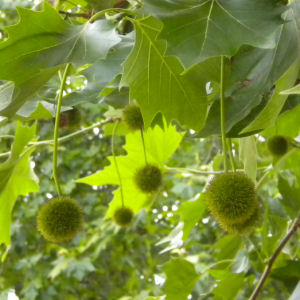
x=214, y=82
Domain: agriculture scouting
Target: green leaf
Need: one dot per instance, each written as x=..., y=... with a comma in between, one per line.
x=197, y=30
x=296, y=293
x=254, y=72
x=293, y=90
x=101, y=73
x=17, y=178
x=44, y=40
x=291, y=200
x=181, y=278
x=270, y=112
x=287, y=124
x=190, y=213
x=160, y=145
x=228, y=246
x=248, y=155
x=156, y=81
x=229, y=284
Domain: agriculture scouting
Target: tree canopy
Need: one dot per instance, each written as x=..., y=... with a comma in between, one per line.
x=171, y=128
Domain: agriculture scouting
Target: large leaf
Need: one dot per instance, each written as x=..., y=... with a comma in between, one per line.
x=270, y=112
x=101, y=73
x=157, y=83
x=190, y=213
x=248, y=155
x=254, y=72
x=181, y=278
x=44, y=40
x=291, y=200
x=160, y=145
x=16, y=178
x=197, y=30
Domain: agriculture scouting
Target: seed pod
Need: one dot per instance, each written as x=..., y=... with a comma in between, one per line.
x=231, y=198
x=244, y=228
x=278, y=145
x=123, y=216
x=132, y=117
x=148, y=178
x=60, y=219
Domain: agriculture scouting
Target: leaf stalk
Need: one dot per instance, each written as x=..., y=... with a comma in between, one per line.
x=56, y=129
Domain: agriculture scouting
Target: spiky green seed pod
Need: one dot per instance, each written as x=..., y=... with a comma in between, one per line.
x=244, y=228
x=123, y=216
x=132, y=117
x=148, y=178
x=278, y=145
x=60, y=219
x=231, y=198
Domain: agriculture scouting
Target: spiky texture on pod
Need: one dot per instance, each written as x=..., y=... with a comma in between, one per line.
x=245, y=227
x=278, y=145
x=231, y=198
x=60, y=219
x=123, y=216
x=132, y=117
x=70, y=119
x=148, y=178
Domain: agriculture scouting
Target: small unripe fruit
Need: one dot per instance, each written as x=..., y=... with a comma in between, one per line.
x=148, y=178
x=60, y=219
x=278, y=145
x=244, y=228
x=132, y=117
x=231, y=198
x=123, y=216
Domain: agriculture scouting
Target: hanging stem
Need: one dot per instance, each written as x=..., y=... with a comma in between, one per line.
x=56, y=128
x=232, y=162
x=222, y=111
x=144, y=148
x=268, y=268
x=115, y=160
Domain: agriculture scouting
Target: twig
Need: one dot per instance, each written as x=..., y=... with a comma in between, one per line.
x=87, y=15
x=69, y=136
x=267, y=271
x=192, y=171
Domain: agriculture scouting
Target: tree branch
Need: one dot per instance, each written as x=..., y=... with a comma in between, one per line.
x=267, y=271
x=69, y=136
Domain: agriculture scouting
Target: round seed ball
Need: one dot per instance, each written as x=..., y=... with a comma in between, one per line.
x=148, y=178
x=231, y=197
x=60, y=219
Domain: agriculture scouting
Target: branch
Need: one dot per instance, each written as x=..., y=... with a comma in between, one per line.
x=267, y=271
x=86, y=15
x=69, y=136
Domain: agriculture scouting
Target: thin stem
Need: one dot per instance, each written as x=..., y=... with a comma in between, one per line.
x=4, y=154
x=67, y=137
x=261, y=181
x=109, y=10
x=76, y=15
x=144, y=148
x=222, y=112
x=232, y=162
x=192, y=171
x=268, y=268
x=56, y=128
x=6, y=136
x=115, y=160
